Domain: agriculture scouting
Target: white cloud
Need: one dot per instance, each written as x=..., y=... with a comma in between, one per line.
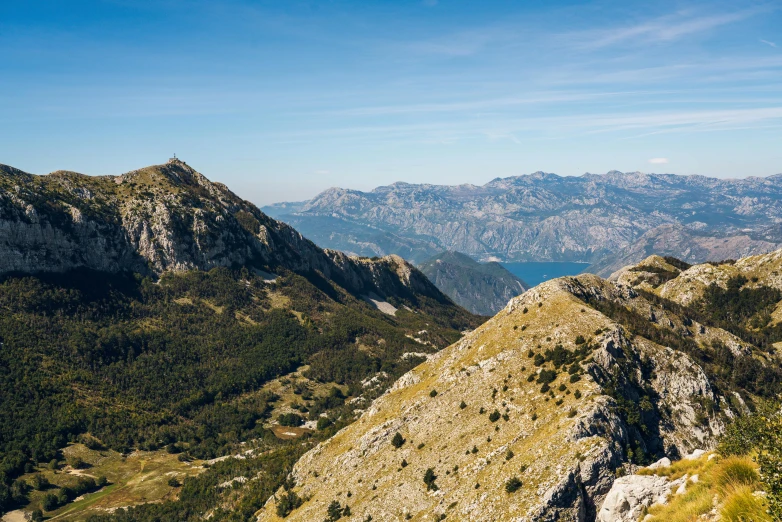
x=666, y=28
x=658, y=161
x=772, y=44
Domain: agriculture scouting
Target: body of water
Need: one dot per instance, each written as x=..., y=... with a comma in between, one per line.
x=534, y=273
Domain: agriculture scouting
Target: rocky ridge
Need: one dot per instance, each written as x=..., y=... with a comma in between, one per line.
x=545, y=217
x=506, y=431
x=167, y=218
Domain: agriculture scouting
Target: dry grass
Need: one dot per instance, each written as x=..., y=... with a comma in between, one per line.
x=743, y=505
x=726, y=486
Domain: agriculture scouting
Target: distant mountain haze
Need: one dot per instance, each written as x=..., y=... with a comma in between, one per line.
x=481, y=288
x=593, y=218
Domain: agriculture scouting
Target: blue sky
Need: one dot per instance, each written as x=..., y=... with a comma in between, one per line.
x=282, y=99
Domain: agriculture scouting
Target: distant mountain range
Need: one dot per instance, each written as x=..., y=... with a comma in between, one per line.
x=481, y=288
x=594, y=218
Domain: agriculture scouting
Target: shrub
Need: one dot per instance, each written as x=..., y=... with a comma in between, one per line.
x=49, y=502
x=545, y=388
x=494, y=416
x=577, y=394
x=547, y=376
x=513, y=484
x=580, y=340
x=287, y=503
x=433, y=393
x=575, y=378
x=174, y=482
x=335, y=511
x=40, y=482
x=290, y=419
x=463, y=405
x=538, y=360
x=429, y=478
x=509, y=455
x=323, y=423
x=397, y=441
x=76, y=463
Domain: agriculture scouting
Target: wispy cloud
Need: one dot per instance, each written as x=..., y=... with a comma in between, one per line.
x=772, y=44
x=662, y=29
x=561, y=126
x=658, y=161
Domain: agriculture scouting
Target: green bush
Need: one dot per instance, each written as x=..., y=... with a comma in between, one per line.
x=397, y=441
x=429, y=480
x=290, y=419
x=513, y=484
x=288, y=502
x=323, y=423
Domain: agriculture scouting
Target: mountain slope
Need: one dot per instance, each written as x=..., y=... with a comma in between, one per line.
x=506, y=431
x=676, y=240
x=481, y=288
x=545, y=217
x=149, y=310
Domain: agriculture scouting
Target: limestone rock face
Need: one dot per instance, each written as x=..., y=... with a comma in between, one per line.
x=168, y=218
x=630, y=494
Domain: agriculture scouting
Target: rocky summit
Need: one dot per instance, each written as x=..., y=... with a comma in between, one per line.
x=595, y=218
x=534, y=415
x=166, y=218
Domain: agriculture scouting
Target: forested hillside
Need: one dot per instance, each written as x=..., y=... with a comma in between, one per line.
x=163, y=358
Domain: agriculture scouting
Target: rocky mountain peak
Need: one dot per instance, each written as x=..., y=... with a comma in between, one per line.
x=168, y=217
